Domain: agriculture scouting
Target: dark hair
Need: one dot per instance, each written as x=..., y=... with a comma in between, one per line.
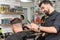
x=45, y=2
x=15, y=20
x=22, y=17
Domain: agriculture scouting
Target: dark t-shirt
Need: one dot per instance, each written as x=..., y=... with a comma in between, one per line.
x=53, y=20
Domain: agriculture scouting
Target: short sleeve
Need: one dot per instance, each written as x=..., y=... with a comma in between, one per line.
x=57, y=23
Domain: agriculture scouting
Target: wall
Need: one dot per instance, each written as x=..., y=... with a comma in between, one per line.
x=12, y=3
x=29, y=11
x=57, y=6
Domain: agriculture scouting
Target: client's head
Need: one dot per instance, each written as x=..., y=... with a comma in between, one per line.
x=16, y=25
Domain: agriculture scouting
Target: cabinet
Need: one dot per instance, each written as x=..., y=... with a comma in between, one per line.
x=20, y=12
x=8, y=14
x=6, y=21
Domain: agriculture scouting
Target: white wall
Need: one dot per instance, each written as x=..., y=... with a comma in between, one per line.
x=12, y=3
x=29, y=11
x=57, y=6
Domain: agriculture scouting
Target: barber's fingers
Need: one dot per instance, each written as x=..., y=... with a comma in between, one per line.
x=28, y=25
x=34, y=26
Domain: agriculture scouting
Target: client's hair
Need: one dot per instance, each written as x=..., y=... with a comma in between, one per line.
x=15, y=20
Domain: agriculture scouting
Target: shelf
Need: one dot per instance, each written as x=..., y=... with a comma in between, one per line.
x=5, y=24
x=20, y=12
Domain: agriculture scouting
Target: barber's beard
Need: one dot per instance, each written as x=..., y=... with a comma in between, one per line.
x=47, y=13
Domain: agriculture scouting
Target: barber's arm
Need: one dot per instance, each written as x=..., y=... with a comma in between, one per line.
x=51, y=29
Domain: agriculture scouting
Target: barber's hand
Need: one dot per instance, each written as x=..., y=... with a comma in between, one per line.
x=28, y=25
x=34, y=26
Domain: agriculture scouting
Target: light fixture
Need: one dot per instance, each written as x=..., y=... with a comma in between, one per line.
x=26, y=0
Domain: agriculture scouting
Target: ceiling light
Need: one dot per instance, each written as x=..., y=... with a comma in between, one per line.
x=26, y=0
